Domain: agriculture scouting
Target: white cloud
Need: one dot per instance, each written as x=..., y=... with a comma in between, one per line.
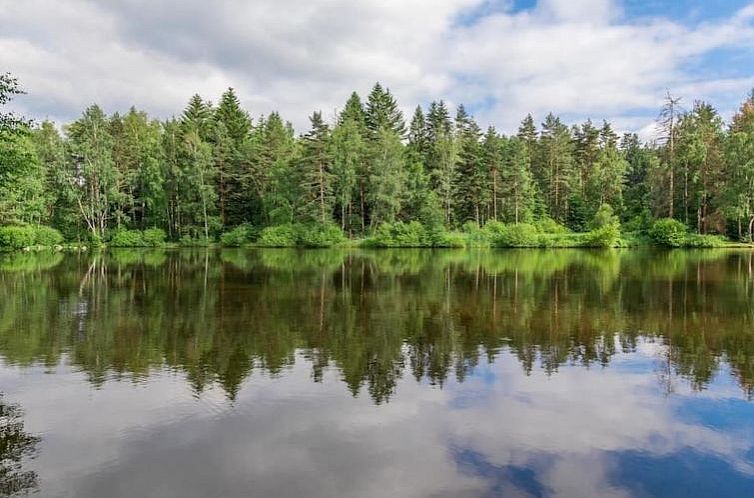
x=578, y=58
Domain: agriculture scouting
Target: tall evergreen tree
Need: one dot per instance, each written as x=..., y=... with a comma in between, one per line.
x=315, y=172
x=231, y=127
x=739, y=152
x=471, y=181
x=382, y=112
x=517, y=182
x=556, y=164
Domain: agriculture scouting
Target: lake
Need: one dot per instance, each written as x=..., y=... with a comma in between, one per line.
x=403, y=373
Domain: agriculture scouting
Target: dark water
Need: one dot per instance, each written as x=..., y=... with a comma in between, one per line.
x=401, y=373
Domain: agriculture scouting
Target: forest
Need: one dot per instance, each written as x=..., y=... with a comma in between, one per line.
x=370, y=174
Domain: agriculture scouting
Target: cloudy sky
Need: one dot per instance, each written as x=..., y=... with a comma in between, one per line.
x=611, y=59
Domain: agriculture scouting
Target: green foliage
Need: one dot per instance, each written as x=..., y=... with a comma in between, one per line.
x=240, y=235
x=189, y=241
x=127, y=238
x=400, y=234
x=520, y=235
x=212, y=169
x=414, y=234
x=320, y=235
x=604, y=236
x=548, y=225
x=20, y=237
x=452, y=240
x=604, y=217
x=186, y=241
x=279, y=236
x=16, y=237
x=47, y=236
x=154, y=237
x=668, y=232
x=640, y=223
x=704, y=241
x=95, y=240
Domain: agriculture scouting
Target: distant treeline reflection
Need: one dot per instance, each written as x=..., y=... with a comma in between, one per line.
x=375, y=315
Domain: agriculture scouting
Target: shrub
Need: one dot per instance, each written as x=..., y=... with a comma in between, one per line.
x=640, y=223
x=604, y=217
x=412, y=234
x=320, y=235
x=668, y=232
x=606, y=236
x=473, y=235
x=240, y=235
x=449, y=240
x=189, y=241
x=494, y=227
x=19, y=237
x=186, y=241
x=521, y=235
x=127, y=238
x=279, y=236
x=154, y=237
x=702, y=241
x=95, y=240
x=400, y=234
x=548, y=225
x=16, y=237
x=46, y=236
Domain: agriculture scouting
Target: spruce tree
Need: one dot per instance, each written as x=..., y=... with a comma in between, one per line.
x=470, y=181
x=315, y=173
x=382, y=112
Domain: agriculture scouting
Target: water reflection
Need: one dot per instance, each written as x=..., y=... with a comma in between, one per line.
x=219, y=315
x=16, y=446
x=372, y=373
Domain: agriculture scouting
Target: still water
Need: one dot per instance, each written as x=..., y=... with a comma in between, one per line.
x=406, y=373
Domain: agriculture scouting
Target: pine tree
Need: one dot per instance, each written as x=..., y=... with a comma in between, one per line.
x=418, y=141
x=270, y=174
x=315, y=173
x=382, y=113
x=699, y=151
x=492, y=161
x=445, y=175
x=739, y=152
x=470, y=182
x=556, y=164
x=517, y=182
x=231, y=127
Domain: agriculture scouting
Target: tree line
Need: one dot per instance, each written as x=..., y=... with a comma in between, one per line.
x=214, y=168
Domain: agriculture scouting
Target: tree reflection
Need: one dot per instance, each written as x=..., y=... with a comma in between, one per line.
x=15, y=446
x=374, y=315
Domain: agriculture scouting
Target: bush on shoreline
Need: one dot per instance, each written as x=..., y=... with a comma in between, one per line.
x=238, y=236
x=672, y=233
x=152, y=237
x=14, y=237
x=302, y=235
